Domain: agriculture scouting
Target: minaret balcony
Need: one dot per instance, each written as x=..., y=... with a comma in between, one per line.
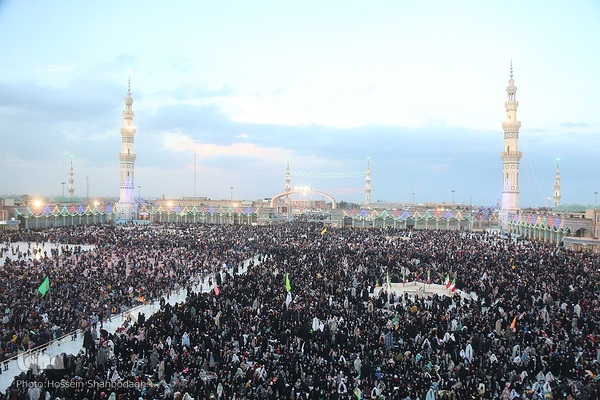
x=511, y=155
x=123, y=157
x=128, y=131
x=513, y=126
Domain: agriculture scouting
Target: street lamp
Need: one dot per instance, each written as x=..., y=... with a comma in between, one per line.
x=140, y=191
x=595, y=198
x=413, y=198
x=452, y=195
x=231, y=193
x=63, y=183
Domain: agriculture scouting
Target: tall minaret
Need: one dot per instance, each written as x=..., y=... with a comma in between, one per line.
x=71, y=180
x=511, y=156
x=368, y=183
x=126, y=207
x=288, y=186
x=557, y=186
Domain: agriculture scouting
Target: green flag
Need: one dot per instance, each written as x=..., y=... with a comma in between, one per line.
x=45, y=286
x=288, y=285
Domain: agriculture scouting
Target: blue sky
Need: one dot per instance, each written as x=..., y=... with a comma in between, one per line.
x=418, y=87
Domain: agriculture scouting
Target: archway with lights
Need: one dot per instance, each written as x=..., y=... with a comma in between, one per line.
x=275, y=201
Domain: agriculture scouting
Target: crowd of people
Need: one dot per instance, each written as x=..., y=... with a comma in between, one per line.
x=310, y=317
x=128, y=266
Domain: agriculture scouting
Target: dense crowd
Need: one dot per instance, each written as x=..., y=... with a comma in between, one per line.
x=527, y=327
x=129, y=266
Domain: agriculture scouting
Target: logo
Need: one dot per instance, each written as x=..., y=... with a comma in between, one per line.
x=40, y=360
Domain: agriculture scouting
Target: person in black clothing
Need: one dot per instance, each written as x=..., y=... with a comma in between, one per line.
x=88, y=342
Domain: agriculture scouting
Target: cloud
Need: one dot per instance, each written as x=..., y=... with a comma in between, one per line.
x=192, y=91
x=84, y=118
x=79, y=101
x=178, y=142
x=54, y=69
x=537, y=130
x=11, y=160
x=575, y=124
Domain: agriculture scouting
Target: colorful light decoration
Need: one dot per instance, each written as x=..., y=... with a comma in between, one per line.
x=40, y=210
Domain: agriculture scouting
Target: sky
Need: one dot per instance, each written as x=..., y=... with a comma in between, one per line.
x=227, y=93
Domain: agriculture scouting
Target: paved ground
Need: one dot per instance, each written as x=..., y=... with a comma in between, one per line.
x=38, y=250
x=422, y=289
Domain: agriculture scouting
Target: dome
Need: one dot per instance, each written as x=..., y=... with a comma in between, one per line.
x=16, y=198
x=578, y=208
x=67, y=200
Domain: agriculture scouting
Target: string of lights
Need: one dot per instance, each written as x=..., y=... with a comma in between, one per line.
x=328, y=174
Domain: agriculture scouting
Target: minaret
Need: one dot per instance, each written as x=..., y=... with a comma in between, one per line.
x=557, y=186
x=288, y=187
x=368, y=183
x=511, y=156
x=71, y=180
x=126, y=207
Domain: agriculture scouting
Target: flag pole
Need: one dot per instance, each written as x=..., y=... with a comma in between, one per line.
x=48, y=275
x=389, y=287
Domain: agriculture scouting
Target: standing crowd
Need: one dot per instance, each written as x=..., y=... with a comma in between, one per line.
x=525, y=327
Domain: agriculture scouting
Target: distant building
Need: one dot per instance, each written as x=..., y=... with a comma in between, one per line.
x=576, y=227
x=7, y=207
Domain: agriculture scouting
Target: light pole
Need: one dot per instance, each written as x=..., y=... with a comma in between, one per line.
x=231, y=193
x=471, y=213
x=413, y=198
x=452, y=195
x=140, y=191
x=63, y=183
x=595, y=198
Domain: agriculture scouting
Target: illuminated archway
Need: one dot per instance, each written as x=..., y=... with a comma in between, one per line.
x=275, y=199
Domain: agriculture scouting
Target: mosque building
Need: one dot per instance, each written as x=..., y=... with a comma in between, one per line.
x=576, y=227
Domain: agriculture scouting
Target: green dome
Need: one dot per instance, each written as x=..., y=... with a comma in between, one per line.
x=67, y=200
x=13, y=196
x=579, y=208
